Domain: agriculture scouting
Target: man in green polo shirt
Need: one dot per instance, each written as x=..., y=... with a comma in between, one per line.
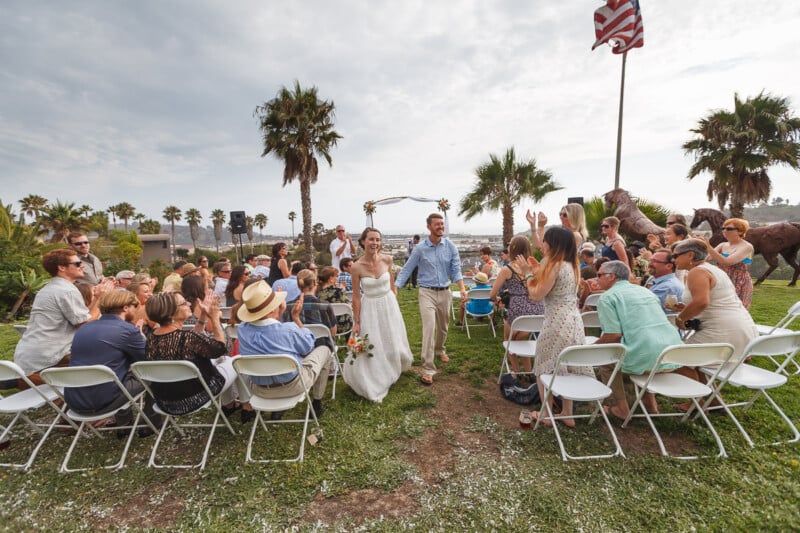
x=632, y=315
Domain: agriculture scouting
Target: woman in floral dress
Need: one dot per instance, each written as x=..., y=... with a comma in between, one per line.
x=511, y=278
x=555, y=280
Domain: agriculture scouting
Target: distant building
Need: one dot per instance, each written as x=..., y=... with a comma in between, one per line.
x=155, y=247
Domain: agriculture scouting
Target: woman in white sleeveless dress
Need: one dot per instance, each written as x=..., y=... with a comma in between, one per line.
x=377, y=314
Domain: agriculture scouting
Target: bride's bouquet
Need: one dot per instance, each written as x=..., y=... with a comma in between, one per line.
x=359, y=346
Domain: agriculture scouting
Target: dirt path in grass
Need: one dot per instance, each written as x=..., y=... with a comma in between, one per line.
x=434, y=454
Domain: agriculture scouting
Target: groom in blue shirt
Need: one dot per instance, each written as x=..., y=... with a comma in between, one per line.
x=438, y=263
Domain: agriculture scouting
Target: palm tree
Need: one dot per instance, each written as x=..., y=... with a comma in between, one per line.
x=98, y=223
x=150, y=227
x=218, y=219
x=249, y=225
x=114, y=210
x=85, y=210
x=737, y=147
x=33, y=204
x=297, y=127
x=501, y=184
x=61, y=219
x=260, y=222
x=139, y=218
x=172, y=214
x=125, y=211
x=292, y=216
x=193, y=218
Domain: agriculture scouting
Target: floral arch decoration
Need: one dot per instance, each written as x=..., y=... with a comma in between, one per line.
x=442, y=204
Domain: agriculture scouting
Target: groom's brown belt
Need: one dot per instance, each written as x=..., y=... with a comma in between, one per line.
x=435, y=288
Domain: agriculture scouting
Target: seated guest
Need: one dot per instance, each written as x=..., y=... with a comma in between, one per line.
x=675, y=232
x=233, y=291
x=170, y=342
x=345, y=280
x=194, y=291
x=631, y=315
x=124, y=278
x=115, y=342
x=279, y=267
x=664, y=283
x=261, y=332
x=289, y=285
x=587, y=257
x=250, y=263
x=591, y=285
x=58, y=311
x=479, y=307
x=314, y=310
x=638, y=263
x=489, y=266
x=143, y=293
x=263, y=262
x=710, y=297
x=173, y=281
x=222, y=273
x=329, y=292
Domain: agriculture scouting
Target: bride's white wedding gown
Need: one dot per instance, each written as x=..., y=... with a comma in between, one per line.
x=381, y=319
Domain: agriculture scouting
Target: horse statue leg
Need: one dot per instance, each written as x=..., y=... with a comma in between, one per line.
x=772, y=261
x=790, y=255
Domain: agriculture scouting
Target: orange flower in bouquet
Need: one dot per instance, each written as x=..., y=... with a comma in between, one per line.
x=359, y=346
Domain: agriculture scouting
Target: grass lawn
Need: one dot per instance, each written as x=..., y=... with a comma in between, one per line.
x=449, y=457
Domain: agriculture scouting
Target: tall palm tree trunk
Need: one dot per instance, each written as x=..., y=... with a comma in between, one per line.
x=174, y=255
x=508, y=223
x=305, y=201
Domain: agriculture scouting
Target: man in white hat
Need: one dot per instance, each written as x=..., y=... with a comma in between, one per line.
x=261, y=332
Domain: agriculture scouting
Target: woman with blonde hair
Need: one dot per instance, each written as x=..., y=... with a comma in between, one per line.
x=572, y=218
x=734, y=257
x=614, y=247
x=555, y=280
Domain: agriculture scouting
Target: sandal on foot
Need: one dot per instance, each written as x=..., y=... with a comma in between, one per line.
x=444, y=358
x=426, y=379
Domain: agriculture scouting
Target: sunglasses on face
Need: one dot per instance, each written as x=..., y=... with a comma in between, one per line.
x=80, y=243
x=224, y=271
x=75, y=263
x=729, y=228
x=671, y=223
x=562, y=214
x=604, y=226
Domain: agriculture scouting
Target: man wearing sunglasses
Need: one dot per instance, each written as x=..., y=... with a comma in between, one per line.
x=222, y=274
x=58, y=311
x=664, y=283
x=341, y=246
x=92, y=267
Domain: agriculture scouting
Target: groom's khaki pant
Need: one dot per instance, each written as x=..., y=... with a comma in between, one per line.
x=434, y=309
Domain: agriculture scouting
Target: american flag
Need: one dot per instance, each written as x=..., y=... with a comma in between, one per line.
x=620, y=23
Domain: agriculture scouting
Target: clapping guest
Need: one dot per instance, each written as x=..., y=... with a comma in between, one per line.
x=512, y=279
x=489, y=266
x=555, y=281
x=143, y=293
x=734, y=257
x=572, y=217
x=170, y=342
x=314, y=310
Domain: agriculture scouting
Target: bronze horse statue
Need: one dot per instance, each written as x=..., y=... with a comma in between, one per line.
x=781, y=238
x=632, y=222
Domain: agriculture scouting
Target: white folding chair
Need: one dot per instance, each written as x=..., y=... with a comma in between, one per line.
x=479, y=295
x=22, y=402
x=782, y=325
x=741, y=374
x=169, y=372
x=529, y=324
x=674, y=385
x=225, y=314
x=591, y=301
x=89, y=376
x=340, y=309
x=591, y=319
x=581, y=388
x=455, y=304
x=275, y=365
x=322, y=331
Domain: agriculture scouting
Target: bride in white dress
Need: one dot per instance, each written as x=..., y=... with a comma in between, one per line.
x=376, y=314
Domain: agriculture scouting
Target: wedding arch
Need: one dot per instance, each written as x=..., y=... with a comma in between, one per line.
x=443, y=205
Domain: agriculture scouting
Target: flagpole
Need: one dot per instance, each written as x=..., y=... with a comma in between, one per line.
x=619, y=124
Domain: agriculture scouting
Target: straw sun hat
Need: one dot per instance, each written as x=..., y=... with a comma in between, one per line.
x=258, y=300
x=481, y=278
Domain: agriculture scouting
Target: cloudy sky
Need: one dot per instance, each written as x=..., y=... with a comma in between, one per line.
x=151, y=102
